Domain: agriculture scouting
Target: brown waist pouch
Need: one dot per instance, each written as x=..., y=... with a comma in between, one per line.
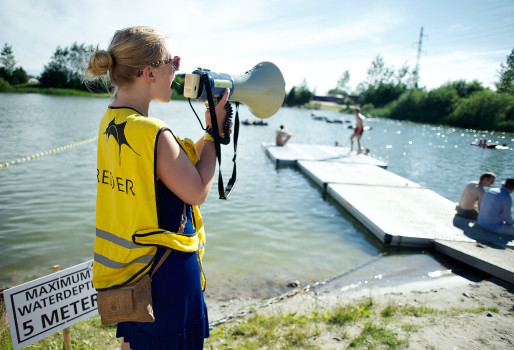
x=132, y=302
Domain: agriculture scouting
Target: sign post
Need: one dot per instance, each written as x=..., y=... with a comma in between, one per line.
x=49, y=304
x=66, y=331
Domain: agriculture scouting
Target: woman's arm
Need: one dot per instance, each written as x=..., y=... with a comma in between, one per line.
x=189, y=182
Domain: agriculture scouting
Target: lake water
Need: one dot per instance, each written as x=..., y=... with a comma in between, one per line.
x=276, y=226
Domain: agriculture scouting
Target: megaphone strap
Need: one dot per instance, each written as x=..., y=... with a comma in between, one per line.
x=223, y=192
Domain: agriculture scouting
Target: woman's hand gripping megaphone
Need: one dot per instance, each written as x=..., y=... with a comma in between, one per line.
x=223, y=112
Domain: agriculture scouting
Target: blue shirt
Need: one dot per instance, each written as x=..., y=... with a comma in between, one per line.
x=495, y=209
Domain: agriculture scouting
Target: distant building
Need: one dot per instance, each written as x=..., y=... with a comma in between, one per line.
x=33, y=81
x=330, y=98
x=339, y=99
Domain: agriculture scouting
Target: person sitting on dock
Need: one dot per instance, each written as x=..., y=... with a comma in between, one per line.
x=358, y=129
x=469, y=202
x=495, y=213
x=282, y=136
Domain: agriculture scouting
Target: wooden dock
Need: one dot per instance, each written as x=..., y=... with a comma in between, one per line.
x=397, y=211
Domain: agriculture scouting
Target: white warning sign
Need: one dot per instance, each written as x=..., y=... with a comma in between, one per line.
x=44, y=306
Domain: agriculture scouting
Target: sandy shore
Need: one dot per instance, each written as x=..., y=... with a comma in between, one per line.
x=462, y=330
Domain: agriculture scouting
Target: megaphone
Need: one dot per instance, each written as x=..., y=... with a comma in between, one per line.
x=262, y=88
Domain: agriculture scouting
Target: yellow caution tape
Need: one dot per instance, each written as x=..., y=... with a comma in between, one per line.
x=52, y=151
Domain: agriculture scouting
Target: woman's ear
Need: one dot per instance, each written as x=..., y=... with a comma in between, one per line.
x=148, y=74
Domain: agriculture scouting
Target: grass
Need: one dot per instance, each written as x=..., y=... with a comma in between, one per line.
x=373, y=337
x=372, y=327
x=295, y=331
x=89, y=334
x=317, y=105
x=26, y=89
x=5, y=335
x=365, y=325
x=482, y=340
x=51, y=91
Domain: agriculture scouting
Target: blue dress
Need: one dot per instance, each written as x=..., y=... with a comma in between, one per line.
x=181, y=320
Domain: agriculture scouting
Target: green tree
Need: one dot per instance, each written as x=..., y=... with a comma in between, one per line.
x=4, y=75
x=66, y=68
x=303, y=94
x=506, y=83
x=404, y=76
x=178, y=85
x=289, y=100
x=382, y=94
x=465, y=89
x=349, y=102
x=484, y=110
x=299, y=95
x=342, y=84
x=379, y=73
x=8, y=70
x=410, y=105
x=55, y=73
x=19, y=76
x=440, y=103
x=7, y=59
x=383, y=85
x=506, y=121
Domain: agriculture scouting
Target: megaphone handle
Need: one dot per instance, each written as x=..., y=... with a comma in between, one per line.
x=225, y=140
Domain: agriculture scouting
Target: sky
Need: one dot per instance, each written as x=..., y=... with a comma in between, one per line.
x=310, y=41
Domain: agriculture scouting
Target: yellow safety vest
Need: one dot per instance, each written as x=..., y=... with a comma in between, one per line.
x=127, y=229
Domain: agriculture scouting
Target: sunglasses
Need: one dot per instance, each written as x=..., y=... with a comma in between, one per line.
x=175, y=61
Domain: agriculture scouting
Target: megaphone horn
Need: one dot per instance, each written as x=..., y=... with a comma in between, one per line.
x=262, y=88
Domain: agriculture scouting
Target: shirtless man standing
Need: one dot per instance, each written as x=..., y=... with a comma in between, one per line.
x=358, y=129
x=469, y=202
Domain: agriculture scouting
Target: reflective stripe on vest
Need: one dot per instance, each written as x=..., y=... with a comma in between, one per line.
x=145, y=259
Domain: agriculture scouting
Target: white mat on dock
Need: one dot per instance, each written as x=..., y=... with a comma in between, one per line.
x=400, y=216
x=323, y=173
x=291, y=153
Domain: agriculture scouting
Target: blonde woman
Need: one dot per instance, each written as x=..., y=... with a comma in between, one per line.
x=149, y=186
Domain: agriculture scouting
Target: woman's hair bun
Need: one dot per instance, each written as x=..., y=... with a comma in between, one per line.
x=99, y=63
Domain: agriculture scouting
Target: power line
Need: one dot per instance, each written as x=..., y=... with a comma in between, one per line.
x=416, y=71
x=483, y=34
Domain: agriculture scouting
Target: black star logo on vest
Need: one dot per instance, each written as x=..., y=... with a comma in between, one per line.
x=118, y=132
